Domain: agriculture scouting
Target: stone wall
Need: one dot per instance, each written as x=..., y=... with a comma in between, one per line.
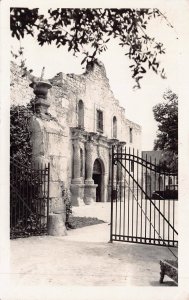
x=48, y=140
x=53, y=139
x=94, y=90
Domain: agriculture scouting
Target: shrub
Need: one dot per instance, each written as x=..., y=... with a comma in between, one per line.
x=68, y=205
x=20, y=134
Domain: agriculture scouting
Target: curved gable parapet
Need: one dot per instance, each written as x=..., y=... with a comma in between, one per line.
x=75, y=85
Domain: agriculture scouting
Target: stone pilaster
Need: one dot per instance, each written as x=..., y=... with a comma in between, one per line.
x=90, y=187
x=76, y=163
x=76, y=187
x=89, y=163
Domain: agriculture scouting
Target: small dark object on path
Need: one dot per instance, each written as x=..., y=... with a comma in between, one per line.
x=169, y=268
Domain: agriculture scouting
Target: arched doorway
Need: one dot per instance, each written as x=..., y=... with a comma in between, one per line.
x=98, y=179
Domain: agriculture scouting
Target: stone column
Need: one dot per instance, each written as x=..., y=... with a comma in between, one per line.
x=90, y=187
x=47, y=132
x=76, y=187
x=89, y=166
x=76, y=163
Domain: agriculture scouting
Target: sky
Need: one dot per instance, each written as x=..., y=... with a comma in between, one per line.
x=138, y=104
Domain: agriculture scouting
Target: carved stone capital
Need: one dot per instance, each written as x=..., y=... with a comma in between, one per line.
x=40, y=89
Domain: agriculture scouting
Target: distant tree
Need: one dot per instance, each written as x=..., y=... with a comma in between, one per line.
x=166, y=114
x=88, y=31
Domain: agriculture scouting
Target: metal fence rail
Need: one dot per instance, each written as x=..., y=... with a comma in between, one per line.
x=144, y=200
x=29, y=199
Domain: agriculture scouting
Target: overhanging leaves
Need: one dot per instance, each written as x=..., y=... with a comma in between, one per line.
x=78, y=28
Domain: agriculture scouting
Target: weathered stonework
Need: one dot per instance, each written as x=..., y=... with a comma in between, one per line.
x=74, y=146
x=48, y=139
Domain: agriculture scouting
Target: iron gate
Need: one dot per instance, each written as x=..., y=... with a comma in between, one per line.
x=29, y=199
x=143, y=200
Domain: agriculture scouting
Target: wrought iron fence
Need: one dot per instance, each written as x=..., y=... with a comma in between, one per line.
x=144, y=200
x=29, y=199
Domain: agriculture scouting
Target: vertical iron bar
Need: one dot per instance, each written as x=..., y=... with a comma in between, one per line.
x=146, y=199
x=124, y=181
x=169, y=187
x=44, y=193
x=23, y=196
x=16, y=197
x=36, y=203
x=120, y=184
x=48, y=192
x=159, y=179
x=142, y=183
x=34, y=192
x=133, y=169
x=155, y=200
x=173, y=220
x=11, y=180
x=116, y=192
x=31, y=191
x=40, y=194
x=150, y=196
x=129, y=162
x=112, y=188
x=164, y=208
x=27, y=196
x=137, y=198
x=19, y=193
x=11, y=202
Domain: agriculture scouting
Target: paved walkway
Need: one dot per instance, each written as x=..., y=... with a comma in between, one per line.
x=63, y=261
x=84, y=257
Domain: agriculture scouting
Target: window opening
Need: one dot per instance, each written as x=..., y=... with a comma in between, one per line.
x=99, y=120
x=80, y=114
x=131, y=135
x=114, y=127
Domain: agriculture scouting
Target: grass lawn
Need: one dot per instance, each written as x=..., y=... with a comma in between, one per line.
x=79, y=222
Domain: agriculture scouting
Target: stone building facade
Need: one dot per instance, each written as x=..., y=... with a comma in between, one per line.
x=86, y=120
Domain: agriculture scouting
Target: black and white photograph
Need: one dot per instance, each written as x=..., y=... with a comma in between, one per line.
x=93, y=172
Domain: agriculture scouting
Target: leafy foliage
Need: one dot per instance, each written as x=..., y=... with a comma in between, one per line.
x=88, y=31
x=20, y=146
x=166, y=114
x=21, y=61
x=26, y=202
